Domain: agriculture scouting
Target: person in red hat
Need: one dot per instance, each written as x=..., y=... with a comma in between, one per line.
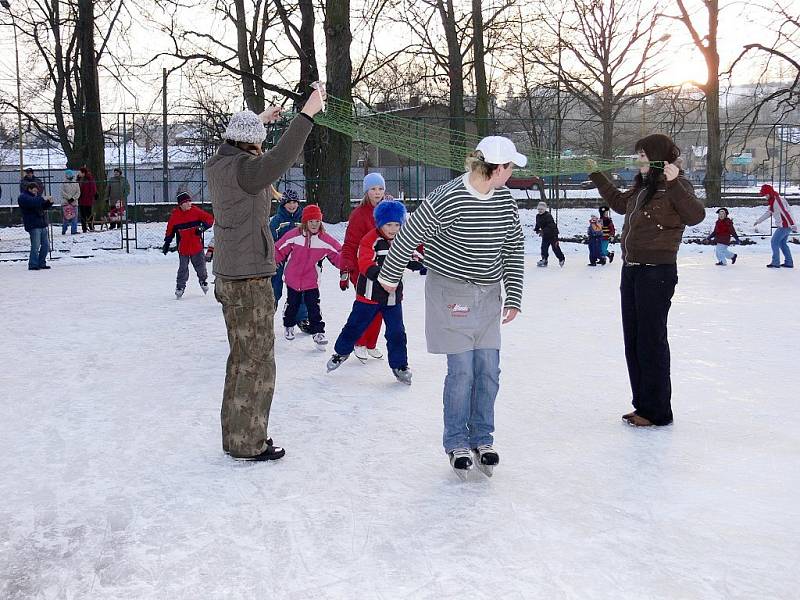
x=188, y=223
x=781, y=215
x=303, y=247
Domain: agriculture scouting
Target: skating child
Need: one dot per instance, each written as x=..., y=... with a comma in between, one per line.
x=723, y=231
x=372, y=298
x=608, y=233
x=188, y=223
x=303, y=247
x=595, y=234
x=547, y=228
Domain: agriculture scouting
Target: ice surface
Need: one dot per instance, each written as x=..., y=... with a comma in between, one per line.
x=114, y=484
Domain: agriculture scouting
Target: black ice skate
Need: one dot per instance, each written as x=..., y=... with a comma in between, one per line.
x=461, y=461
x=336, y=361
x=304, y=326
x=179, y=293
x=271, y=453
x=204, y=286
x=487, y=459
x=610, y=257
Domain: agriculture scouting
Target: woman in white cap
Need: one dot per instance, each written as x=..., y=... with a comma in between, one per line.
x=240, y=176
x=473, y=241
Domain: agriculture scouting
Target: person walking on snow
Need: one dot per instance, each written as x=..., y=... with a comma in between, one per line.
x=657, y=209
x=473, y=241
x=360, y=223
x=781, y=214
x=608, y=233
x=547, y=228
x=302, y=248
x=188, y=223
x=239, y=176
x=722, y=234
x=372, y=299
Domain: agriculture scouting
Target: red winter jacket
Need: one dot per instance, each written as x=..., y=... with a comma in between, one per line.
x=723, y=231
x=361, y=222
x=88, y=192
x=184, y=224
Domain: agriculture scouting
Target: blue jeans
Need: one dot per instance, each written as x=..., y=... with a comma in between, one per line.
x=40, y=246
x=67, y=222
x=779, y=244
x=277, y=288
x=723, y=253
x=470, y=388
x=360, y=318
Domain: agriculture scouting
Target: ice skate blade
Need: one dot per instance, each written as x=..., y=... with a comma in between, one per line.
x=485, y=469
x=461, y=473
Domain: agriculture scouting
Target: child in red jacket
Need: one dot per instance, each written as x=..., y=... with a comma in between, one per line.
x=723, y=231
x=188, y=223
x=372, y=299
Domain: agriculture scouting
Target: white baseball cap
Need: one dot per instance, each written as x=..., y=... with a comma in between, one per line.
x=500, y=150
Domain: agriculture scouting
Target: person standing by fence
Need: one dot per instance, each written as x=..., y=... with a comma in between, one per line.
x=239, y=177
x=117, y=191
x=88, y=194
x=70, y=193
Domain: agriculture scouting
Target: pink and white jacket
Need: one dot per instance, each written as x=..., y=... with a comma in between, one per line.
x=303, y=254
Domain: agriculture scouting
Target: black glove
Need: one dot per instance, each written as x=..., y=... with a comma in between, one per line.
x=415, y=265
x=201, y=228
x=165, y=247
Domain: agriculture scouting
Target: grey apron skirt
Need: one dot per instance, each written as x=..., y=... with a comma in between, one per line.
x=461, y=316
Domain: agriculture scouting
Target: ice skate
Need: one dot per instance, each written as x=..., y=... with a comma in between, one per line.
x=271, y=453
x=375, y=353
x=403, y=375
x=179, y=293
x=461, y=461
x=204, y=286
x=289, y=333
x=361, y=353
x=304, y=326
x=542, y=263
x=320, y=340
x=335, y=361
x=561, y=263
x=487, y=459
x=610, y=257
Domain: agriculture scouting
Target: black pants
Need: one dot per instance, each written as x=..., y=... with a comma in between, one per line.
x=311, y=299
x=546, y=243
x=646, y=293
x=86, y=216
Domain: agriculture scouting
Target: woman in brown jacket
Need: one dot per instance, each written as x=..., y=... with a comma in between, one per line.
x=657, y=209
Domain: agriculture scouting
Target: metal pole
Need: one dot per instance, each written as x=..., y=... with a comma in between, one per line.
x=165, y=140
x=558, y=124
x=125, y=174
x=19, y=93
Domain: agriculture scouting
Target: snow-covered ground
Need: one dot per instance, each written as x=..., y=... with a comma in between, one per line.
x=114, y=484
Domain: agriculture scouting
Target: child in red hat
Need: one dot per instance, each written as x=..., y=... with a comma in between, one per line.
x=303, y=247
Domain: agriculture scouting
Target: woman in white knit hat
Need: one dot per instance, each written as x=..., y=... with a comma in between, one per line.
x=240, y=176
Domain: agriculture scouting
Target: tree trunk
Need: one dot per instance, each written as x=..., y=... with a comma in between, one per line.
x=335, y=161
x=481, y=87
x=713, y=180
x=90, y=86
x=455, y=68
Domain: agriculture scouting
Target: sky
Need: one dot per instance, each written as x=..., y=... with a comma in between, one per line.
x=684, y=64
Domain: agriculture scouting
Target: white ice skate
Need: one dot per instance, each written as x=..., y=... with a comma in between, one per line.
x=179, y=293
x=403, y=375
x=375, y=352
x=542, y=263
x=486, y=459
x=361, y=353
x=320, y=341
x=461, y=461
x=289, y=333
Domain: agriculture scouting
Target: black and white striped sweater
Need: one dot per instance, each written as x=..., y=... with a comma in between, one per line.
x=467, y=235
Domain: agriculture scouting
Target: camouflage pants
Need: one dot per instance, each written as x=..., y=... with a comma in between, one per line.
x=249, y=308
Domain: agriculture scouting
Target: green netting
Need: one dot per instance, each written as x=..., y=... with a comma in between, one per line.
x=442, y=147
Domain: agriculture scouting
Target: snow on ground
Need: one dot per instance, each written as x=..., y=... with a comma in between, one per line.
x=115, y=485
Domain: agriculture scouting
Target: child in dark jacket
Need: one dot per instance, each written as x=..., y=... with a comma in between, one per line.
x=188, y=223
x=34, y=218
x=547, y=228
x=608, y=232
x=372, y=298
x=595, y=235
x=722, y=234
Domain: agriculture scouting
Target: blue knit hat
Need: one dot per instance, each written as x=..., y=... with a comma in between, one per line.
x=372, y=180
x=389, y=211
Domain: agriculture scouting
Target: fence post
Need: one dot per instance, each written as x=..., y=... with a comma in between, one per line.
x=165, y=158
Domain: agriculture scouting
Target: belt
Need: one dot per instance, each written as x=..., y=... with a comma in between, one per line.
x=635, y=264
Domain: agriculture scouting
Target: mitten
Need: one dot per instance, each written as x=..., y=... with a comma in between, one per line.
x=165, y=247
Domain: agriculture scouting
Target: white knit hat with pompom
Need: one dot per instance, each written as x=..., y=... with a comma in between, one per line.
x=246, y=126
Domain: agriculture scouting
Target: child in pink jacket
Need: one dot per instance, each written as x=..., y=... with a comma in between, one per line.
x=304, y=247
